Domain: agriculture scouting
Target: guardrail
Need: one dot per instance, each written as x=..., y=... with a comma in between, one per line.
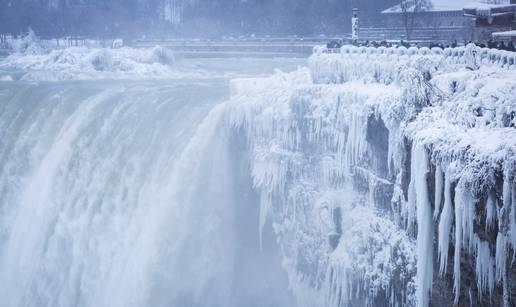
x=471, y=52
x=237, y=47
x=420, y=34
x=383, y=64
x=254, y=45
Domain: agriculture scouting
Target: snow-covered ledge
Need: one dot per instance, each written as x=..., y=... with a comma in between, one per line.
x=389, y=174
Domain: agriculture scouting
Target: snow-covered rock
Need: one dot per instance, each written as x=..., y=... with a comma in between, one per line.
x=28, y=44
x=375, y=164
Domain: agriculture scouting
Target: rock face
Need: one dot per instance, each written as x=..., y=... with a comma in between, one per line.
x=389, y=174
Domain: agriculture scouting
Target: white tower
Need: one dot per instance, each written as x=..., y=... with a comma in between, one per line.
x=354, y=25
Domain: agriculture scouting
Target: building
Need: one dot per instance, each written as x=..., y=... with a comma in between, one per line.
x=443, y=21
x=497, y=20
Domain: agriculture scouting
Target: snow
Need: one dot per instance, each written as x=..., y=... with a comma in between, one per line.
x=29, y=43
x=445, y=6
x=91, y=63
x=433, y=5
x=505, y=34
x=487, y=5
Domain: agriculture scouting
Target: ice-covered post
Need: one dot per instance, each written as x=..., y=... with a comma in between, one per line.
x=354, y=26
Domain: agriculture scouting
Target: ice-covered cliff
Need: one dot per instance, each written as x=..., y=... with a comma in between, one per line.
x=389, y=175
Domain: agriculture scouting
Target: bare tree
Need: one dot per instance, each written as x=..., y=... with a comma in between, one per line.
x=409, y=10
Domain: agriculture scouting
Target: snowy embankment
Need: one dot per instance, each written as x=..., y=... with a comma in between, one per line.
x=38, y=62
x=78, y=63
x=389, y=175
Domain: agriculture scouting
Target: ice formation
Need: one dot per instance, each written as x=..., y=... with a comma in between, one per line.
x=420, y=142
x=445, y=223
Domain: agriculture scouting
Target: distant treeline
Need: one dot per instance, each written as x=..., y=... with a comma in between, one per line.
x=183, y=18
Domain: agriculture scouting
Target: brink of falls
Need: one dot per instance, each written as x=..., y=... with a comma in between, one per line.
x=374, y=176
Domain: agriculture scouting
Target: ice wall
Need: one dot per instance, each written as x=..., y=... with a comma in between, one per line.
x=388, y=174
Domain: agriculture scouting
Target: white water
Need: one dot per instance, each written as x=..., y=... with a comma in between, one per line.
x=131, y=193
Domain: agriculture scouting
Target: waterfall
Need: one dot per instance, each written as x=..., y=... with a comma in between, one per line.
x=129, y=194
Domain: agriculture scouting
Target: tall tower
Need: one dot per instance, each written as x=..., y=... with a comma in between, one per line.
x=354, y=25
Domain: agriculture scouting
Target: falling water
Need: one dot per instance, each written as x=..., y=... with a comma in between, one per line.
x=129, y=193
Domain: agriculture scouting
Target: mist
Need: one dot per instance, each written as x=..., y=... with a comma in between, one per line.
x=183, y=18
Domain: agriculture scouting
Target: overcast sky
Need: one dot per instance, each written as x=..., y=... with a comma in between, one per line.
x=194, y=18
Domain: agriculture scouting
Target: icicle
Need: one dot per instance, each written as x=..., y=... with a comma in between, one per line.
x=265, y=205
x=458, y=246
x=501, y=256
x=410, y=211
x=445, y=223
x=468, y=216
x=425, y=225
x=464, y=218
x=512, y=217
x=439, y=178
x=393, y=154
x=340, y=288
x=484, y=267
x=509, y=205
x=356, y=144
x=490, y=212
x=502, y=238
x=390, y=154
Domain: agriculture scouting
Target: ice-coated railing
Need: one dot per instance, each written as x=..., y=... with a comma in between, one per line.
x=383, y=64
x=502, y=58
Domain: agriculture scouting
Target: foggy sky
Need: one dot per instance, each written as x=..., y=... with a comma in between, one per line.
x=183, y=18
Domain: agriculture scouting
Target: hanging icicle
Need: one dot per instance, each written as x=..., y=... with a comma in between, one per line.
x=445, y=223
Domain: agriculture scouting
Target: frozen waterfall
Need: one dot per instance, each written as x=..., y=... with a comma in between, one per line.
x=371, y=177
